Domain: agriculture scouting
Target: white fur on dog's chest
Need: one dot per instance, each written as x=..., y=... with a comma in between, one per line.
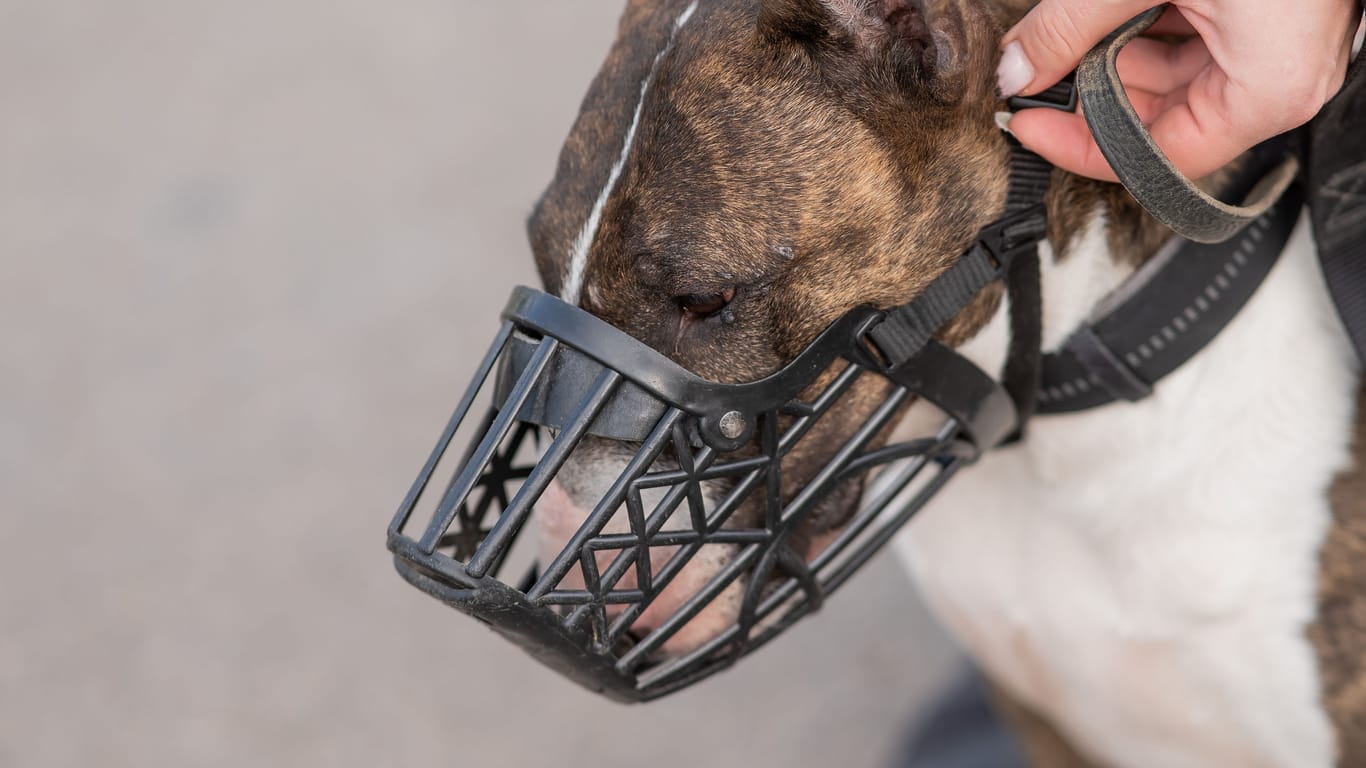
x=1143, y=574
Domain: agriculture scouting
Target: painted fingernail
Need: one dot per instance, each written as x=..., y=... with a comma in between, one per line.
x=1003, y=121
x=1015, y=72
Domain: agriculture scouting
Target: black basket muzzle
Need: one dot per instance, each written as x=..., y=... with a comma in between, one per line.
x=557, y=376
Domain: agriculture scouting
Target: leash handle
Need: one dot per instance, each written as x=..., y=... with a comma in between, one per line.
x=1140, y=164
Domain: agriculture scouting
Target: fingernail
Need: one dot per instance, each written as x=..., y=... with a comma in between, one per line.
x=1003, y=121
x=1015, y=72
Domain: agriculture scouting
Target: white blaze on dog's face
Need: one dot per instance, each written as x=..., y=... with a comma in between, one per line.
x=744, y=172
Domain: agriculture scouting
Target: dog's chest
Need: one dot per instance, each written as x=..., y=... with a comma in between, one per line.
x=1143, y=574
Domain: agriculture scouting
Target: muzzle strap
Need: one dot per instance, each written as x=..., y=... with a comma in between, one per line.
x=907, y=328
x=1029, y=179
x=1006, y=250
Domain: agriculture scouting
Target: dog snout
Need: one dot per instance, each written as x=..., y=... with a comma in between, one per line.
x=566, y=505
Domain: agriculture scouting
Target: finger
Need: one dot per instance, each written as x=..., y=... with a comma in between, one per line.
x=1065, y=140
x=1155, y=66
x=1196, y=148
x=1347, y=54
x=1172, y=23
x=1223, y=116
x=1052, y=38
x=1151, y=106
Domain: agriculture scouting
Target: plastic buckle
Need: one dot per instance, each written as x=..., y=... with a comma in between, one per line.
x=867, y=352
x=1014, y=233
x=1062, y=97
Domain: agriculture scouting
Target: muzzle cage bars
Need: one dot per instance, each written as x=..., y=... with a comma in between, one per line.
x=553, y=388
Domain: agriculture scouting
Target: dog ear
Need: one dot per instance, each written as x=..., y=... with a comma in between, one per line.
x=924, y=40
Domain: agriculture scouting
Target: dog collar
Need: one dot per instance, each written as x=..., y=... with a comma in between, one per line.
x=1168, y=311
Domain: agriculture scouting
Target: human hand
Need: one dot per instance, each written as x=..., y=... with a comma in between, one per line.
x=1247, y=70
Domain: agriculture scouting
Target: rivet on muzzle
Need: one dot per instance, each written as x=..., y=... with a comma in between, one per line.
x=732, y=425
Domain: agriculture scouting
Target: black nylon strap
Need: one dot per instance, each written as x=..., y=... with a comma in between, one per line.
x=1337, y=199
x=963, y=391
x=1007, y=249
x=1104, y=366
x=1029, y=179
x=1165, y=314
x=906, y=329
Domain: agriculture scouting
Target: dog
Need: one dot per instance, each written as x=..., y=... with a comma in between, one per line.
x=1179, y=581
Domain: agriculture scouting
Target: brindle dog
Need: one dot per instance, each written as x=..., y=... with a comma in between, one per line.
x=745, y=171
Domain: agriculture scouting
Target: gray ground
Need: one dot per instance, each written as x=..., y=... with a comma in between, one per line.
x=247, y=251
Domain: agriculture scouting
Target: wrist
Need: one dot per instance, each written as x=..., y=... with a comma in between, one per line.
x=1361, y=28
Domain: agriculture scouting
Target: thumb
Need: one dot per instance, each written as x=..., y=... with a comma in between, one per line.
x=1051, y=39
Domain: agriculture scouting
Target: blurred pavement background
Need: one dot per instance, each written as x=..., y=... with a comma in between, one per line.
x=248, y=252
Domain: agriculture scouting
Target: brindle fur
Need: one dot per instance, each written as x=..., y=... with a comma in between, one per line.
x=787, y=162
x=1339, y=633
x=813, y=166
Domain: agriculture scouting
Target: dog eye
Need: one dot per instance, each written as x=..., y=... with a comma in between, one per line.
x=706, y=304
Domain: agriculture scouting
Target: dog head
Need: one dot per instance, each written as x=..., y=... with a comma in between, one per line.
x=743, y=173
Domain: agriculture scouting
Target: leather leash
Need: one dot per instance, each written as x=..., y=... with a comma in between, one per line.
x=1142, y=167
